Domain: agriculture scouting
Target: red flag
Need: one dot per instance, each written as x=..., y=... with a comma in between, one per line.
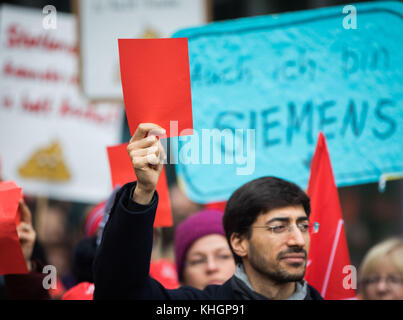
x=328, y=258
x=122, y=172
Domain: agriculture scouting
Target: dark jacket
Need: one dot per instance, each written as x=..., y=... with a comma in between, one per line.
x=122, y=262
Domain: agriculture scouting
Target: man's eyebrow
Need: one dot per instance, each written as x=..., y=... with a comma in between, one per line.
x=278, y=219
x=284, y=219
x=302, y=219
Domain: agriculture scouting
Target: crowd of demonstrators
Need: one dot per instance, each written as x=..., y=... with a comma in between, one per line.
x=84, y=253
x=265, y=222
x=30, y=286
x=381, y=271
x=257, y=249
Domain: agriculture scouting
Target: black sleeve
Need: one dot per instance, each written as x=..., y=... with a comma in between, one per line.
x=122, y=261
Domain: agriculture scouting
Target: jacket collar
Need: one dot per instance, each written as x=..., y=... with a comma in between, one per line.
x=243, y=288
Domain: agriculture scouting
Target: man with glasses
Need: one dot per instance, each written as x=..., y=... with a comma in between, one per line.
x=265, y=222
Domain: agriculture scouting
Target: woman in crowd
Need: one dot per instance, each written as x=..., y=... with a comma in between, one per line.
x=202, y=252
x=381, y=272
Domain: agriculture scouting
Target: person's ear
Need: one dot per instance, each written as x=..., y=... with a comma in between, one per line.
x=240, y=244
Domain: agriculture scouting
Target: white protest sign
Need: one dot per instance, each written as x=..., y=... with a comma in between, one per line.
x=52, y=141
x=102, y=22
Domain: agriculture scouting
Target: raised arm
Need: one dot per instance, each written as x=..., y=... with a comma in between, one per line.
x=147, y=155
x=123, y=259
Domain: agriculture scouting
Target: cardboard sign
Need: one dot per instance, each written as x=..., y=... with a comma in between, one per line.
x=122, y=172
x=156, y=82
x=103, y=22
x=269, y=84
x=11, y=258
x=52, y=139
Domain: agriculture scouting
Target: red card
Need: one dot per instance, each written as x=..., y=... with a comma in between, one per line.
x=7, y=185
x=11, y=258
x=122, y=172
x=156, y=83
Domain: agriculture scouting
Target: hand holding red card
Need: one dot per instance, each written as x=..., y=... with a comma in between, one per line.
x=122, y=172
x=11, y=257
x=156, y=82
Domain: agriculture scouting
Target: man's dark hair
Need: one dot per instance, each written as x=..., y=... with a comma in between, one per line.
x=257, y=197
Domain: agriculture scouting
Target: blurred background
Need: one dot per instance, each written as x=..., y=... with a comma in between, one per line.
x=370, y=214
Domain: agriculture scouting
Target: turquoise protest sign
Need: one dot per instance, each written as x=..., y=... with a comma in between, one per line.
x=264, y=87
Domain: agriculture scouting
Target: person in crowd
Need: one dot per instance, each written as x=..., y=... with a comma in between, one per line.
x=83, y=257
x=202, y=254
x=381, y=271
x=265, y=222
x=27, y=286
x=84, y=253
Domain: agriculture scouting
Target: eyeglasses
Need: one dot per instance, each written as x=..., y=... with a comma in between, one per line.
x=304, y=227
x=390, y=280
x=203, y=261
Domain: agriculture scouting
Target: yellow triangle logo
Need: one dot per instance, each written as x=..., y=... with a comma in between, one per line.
x=149, y=33
x=46, y=164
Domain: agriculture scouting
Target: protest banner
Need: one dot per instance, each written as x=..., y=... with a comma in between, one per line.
x=52, y=140
x=263, y=87
x=128, y=19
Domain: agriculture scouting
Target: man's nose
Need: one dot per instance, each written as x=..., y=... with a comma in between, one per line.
x=296, y=237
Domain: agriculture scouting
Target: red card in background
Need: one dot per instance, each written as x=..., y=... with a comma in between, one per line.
x=122, y=172
x=156, y=83
x=11, y=257
x=7, y=185
x=216, y=205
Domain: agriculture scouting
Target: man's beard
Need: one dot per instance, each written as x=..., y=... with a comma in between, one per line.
x=274, y=271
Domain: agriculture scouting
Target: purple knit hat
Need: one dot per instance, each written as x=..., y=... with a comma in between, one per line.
x=200, y=224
